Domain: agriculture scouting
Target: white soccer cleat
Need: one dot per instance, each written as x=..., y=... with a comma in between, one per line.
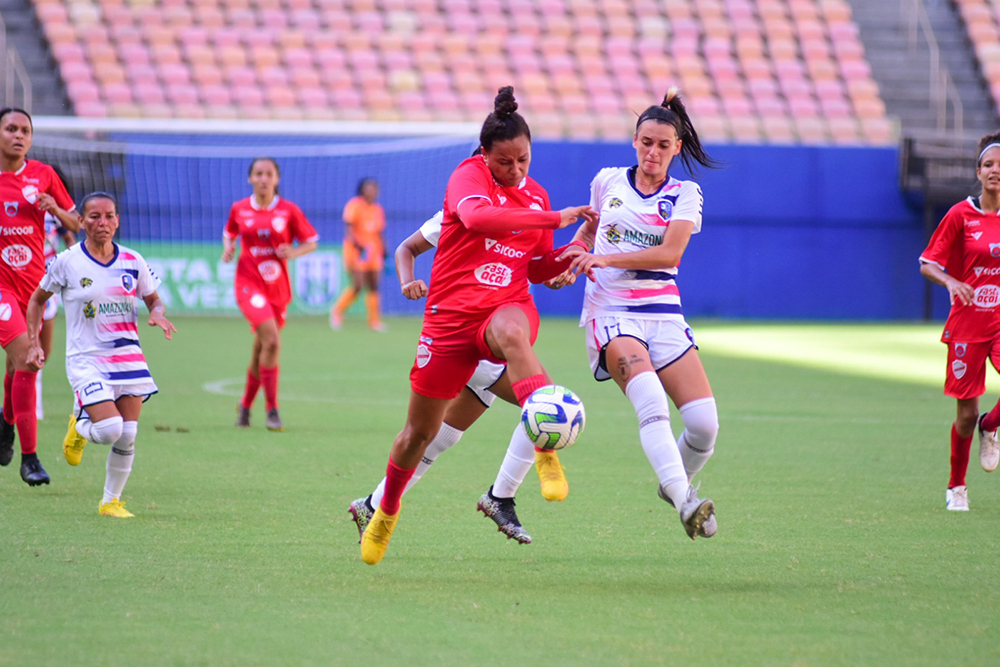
x=989, y=448
x=957, y=499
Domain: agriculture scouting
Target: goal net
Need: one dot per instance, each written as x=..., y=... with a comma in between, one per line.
x=176, y=180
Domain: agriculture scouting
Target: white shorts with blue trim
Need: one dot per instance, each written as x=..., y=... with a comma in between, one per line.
x=98, y=391
x=486, y=375
x=666, y=340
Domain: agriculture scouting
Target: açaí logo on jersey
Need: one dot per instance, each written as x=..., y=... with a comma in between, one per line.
x=16, y=256
x=503, y=250
x=493, y=274
x=987, y=296
x=270, y=270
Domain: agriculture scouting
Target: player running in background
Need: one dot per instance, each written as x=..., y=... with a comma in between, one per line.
x=495, y=237
x=54, y=233
x=101, y=283
x=635, y=328
x=488, y=381
x=271, y=231
x=28, y=190
x=364, y=254
x=964, y=256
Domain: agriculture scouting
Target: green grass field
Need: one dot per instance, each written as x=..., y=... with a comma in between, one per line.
x=834, y=547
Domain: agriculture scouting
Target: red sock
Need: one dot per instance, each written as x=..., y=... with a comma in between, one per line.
x=250, y=393
x=395, y=483
x=524, y=388
x=24, y=410
x=992, y=419
x=269, y=380
x=8, y=398
x=959, y=458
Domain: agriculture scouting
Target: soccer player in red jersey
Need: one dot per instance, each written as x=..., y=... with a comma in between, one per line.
x=964, y=256
x=496, y=236
x=28, y=190
x=271, y=231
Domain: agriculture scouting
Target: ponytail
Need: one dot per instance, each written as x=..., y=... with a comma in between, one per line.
x=672, y=112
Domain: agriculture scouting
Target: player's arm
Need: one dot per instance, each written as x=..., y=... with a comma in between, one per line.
x=664, y=256
x=36, y=306
x=157, y=314
x=406, y=252
x=956, y=288
x=289, y=251
x=69, y=219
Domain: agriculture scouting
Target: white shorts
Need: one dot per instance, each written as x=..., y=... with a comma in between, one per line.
x=666, y=340
x=486, y=375
x=97, y=391
x=51, y=308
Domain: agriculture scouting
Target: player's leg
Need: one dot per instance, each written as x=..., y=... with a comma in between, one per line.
x=372, y=300
x=7, y=413
x=423, y=420
x=268, y=333
x=348, y=296
x=989, y=447
x=627, y=361
x=121, y=456
x=251, y=385
x=966, y=382
x=22, y=403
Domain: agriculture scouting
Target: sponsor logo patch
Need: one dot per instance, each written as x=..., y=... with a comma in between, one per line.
x=501, y=249
x=258, y=301
x=987, y=296
x=976, y=235
x=270, y=270
x=613, y=235
x=92, y=388
x=615, y=202
x=86, y=282
x=89, y=311
x=16, y=255
x=493, y=274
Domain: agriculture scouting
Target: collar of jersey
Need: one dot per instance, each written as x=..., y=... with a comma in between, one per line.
x=18, y=172
x=631, y=181
x=274, y=202
x=83, y=247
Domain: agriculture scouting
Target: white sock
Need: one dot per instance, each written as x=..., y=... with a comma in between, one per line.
x=446, y=438
x=39, y=410
x=105, y=432
x=653, y=411
x=120, y=462
x=701, y=427
x=517, y=462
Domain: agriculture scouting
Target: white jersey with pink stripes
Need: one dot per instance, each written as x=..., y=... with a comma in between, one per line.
x=102, y=314
x=632, y=221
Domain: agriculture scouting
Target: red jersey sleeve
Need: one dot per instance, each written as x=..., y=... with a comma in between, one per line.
x=232, y=229
x=57, y=189
x=470, y=196
x=944, y=250
x=302, y=231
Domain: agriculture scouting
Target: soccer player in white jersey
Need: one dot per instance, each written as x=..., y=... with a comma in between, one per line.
x=488, y=382
x=100, y=283
x=635, y=328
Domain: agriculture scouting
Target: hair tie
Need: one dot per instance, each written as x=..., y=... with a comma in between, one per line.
x=993, y=145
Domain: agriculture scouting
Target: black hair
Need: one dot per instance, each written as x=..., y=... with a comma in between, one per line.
x=265, y=158
x=672, y=112
x=363, y=181
x=7, y=110
x=983, y=143
x=504, y=123
x=99, y=194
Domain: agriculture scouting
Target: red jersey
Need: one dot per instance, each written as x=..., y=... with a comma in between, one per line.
x=22, y=226
x=261, y=231
x=966, y=244
x=482, y=261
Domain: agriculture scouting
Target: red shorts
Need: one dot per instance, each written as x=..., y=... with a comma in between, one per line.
x=12, y=323
x=448, y=353
x=257, y=309
x=966, y=376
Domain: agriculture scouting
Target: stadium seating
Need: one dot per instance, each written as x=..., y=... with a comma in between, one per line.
x=982, y=22
x=765, y=71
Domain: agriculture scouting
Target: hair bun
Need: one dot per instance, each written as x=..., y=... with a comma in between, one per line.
x=670, y=96
x=504, y=103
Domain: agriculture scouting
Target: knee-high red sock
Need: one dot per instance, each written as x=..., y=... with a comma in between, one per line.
x=992, y=419
x=269, y=380
x=959, y=458
x=524, y=388
x=24, y=410
x=8, y=398
x=395, y=483
x=250, y=392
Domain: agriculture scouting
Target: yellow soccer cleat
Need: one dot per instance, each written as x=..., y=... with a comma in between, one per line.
x=114, y=508
x=550, y=473
x=375, y=539
x=73, y=443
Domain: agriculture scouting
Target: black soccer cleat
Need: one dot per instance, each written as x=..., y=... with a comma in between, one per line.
x=501, y=511
x=32, y=471
x=6, y=440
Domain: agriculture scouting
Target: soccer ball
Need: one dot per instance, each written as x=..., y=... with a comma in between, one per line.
x=553, y=417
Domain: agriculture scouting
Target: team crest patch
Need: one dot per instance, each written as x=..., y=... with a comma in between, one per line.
x=613, y=235
x=127, y=283
x=615, y=202
x=86, y=282
x=665, y=208
x=10, y=208
x=995, y=250
x=960, y=349
x=279, y=222
x=958, y=368
x=423, y=355
x=89, y=311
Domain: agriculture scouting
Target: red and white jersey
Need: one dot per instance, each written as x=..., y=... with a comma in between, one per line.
x=632, y=221
x=431, y=229
x=476, y=271
x=966, y=244
x=102, y=313
x=261, y=231
x=22, y=226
